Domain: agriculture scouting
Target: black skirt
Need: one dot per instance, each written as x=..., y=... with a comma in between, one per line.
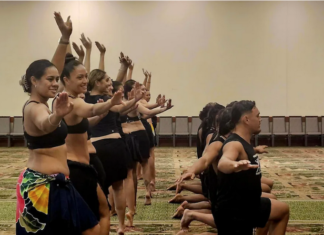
x=149, y=132
x=139, y=145
x=85, y=179
x=96, y=163
x=114, y=158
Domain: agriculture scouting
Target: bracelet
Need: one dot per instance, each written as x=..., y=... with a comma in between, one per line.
x=49, y=120
x=63, y=42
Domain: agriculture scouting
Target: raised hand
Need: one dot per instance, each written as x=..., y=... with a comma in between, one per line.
x=101, y=47
x=145, y=73
x=86, y=43
x=261, y=149
x=117, y=98
x=129, y=61
x=169, y=105
x=131, y=94
x=139, y=94
x=186, y=176
x=244, y=165
x=65, y=27
x=78, y=50
x=63, y=106
x=131, y=66
x=123, y=59
x=162, y=101
x=158, y=99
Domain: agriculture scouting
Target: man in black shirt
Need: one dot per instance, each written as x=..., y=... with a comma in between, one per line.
x=239, y=205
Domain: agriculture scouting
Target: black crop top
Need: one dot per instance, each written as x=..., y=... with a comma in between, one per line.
x=107, y=125
x=80, y=128
x=54, y=139
x=127, y=119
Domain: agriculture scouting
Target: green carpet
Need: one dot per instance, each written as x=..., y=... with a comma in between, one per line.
x=298, y=175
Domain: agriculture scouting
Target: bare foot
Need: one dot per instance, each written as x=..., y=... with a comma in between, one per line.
x=186, y=220
x=179, y=213
x=130, y=218
x=177, y=199
x=179, y=188
x=184, y=205
x=172, y=187
x=121, y=231
x=147, y=200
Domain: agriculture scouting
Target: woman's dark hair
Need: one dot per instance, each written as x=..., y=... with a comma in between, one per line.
x=209, y=121
x=239, y=109
x=223, y=121
x=94, y=76
x=128, y=86
x=69, y=66
x=36, y=69
x=231, y=104
x=116, y=86
x=204, y=112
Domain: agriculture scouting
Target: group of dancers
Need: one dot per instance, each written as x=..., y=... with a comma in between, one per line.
x=87, y=152
x=232, y=194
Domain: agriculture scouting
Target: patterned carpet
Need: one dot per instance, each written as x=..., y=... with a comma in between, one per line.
x=298, y=175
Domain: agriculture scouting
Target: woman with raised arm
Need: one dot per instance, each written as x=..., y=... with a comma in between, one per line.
x=44, y=191
x=147, y=123
x=110, y=148
x=82, y=174
x=137, y=139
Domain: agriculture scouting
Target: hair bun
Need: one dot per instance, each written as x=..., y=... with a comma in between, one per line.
x=23, y=82
x=69, y=57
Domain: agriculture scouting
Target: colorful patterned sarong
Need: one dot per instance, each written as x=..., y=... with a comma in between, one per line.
x=48, y=204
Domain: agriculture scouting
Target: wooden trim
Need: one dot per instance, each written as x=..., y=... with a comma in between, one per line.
x=189, y=119
x=11, y=119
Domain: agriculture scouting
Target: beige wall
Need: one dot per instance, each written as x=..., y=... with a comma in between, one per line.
x=271, y=52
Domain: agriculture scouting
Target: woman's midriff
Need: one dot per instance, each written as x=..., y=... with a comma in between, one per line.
x=91, y=148
x=129, y=127
x=49, y=161
x=77, y=148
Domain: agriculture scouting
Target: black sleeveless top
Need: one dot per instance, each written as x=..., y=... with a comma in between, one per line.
x=106, y=125
x=241, y=191
x=80, y=128
x=54, y=139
